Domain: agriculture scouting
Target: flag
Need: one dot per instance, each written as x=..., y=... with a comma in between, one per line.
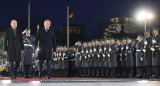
x=29, y=1
x=71, y=15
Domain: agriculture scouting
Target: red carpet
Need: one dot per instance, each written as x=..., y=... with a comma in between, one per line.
x=58, y=79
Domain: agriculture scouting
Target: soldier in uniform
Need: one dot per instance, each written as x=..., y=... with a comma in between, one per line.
x=148, y=54
x=118, y=43
x=156, y=52
x=78, y=47
x=89, y=60
x=112, y=59
x=85, y=59
x=104, y=59
x=139, y=56
x=59, y=61
x=29, y=42
x=94, y=58
x=122, y=58
x=129, y=58
x=98, y=58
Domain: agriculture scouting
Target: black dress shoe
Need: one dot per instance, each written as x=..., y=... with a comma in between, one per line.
x=47, y=77
x=13, y=77
x=25, y=76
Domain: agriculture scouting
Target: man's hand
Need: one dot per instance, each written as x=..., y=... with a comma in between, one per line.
x=6, y=52
x=54, y=53
x=22, y=51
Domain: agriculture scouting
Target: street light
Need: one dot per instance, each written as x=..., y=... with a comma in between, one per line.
x=144, y=15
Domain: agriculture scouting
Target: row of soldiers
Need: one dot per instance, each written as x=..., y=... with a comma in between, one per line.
x=111, y=58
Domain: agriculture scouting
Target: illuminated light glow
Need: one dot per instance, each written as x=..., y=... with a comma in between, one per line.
x=144, y=15
x=143, y=81
x=150, y=16
x=6, y=81
x=35, y=82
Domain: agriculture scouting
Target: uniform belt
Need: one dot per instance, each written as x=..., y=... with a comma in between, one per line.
x=28, y=45
x=78, y=53
x=156, y=46
x=130, y=51
x=138, y=50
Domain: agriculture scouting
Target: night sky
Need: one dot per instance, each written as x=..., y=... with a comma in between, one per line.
x=93, y=14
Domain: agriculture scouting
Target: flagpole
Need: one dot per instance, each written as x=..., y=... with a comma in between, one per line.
x=29, y=14
x=68, y=26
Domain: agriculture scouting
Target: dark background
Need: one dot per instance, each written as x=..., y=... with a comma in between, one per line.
x=93, y=14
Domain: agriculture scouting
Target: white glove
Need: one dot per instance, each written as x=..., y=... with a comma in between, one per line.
x=91, y=51
x=108, y=55
x=94, y=50
x=85, y=57
x=121, y=55
x=87, y=51
x=103, y=55
x=122, y=48
x=141, y=59
x=152, y=49
x=153, y=41
x=100, y=50
x=105, y=49
x=82, y=51
x=80, y=58
x=144, y=50
x=109, y=49
x=125, y=54
x=145, y=43
x=98, y=56
x=127, y=47
x=89, y=56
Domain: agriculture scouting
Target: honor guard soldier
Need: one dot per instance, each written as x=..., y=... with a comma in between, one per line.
x=85, y=57
x=65, y=62
x=29, y=42
x=103, y=61
x=118, y=43
x=129, y=57
x=78, y=47
x=94, y=59
x=89, y=60
x=112, y=58
x=122, y=58
x=148, y=54
x=156, y=52
x=139, y=56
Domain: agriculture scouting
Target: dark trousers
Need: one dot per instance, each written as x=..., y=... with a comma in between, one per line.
x=130, y=72
x=13, y=67
x=149, y=71
x=27, y=69
x=103, y=72
x=140, y=71
x=156, y=70
x=113, y=71
x=48, y=72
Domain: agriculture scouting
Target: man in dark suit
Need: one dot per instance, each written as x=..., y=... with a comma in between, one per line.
x=13, y=47
x=47, y=47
